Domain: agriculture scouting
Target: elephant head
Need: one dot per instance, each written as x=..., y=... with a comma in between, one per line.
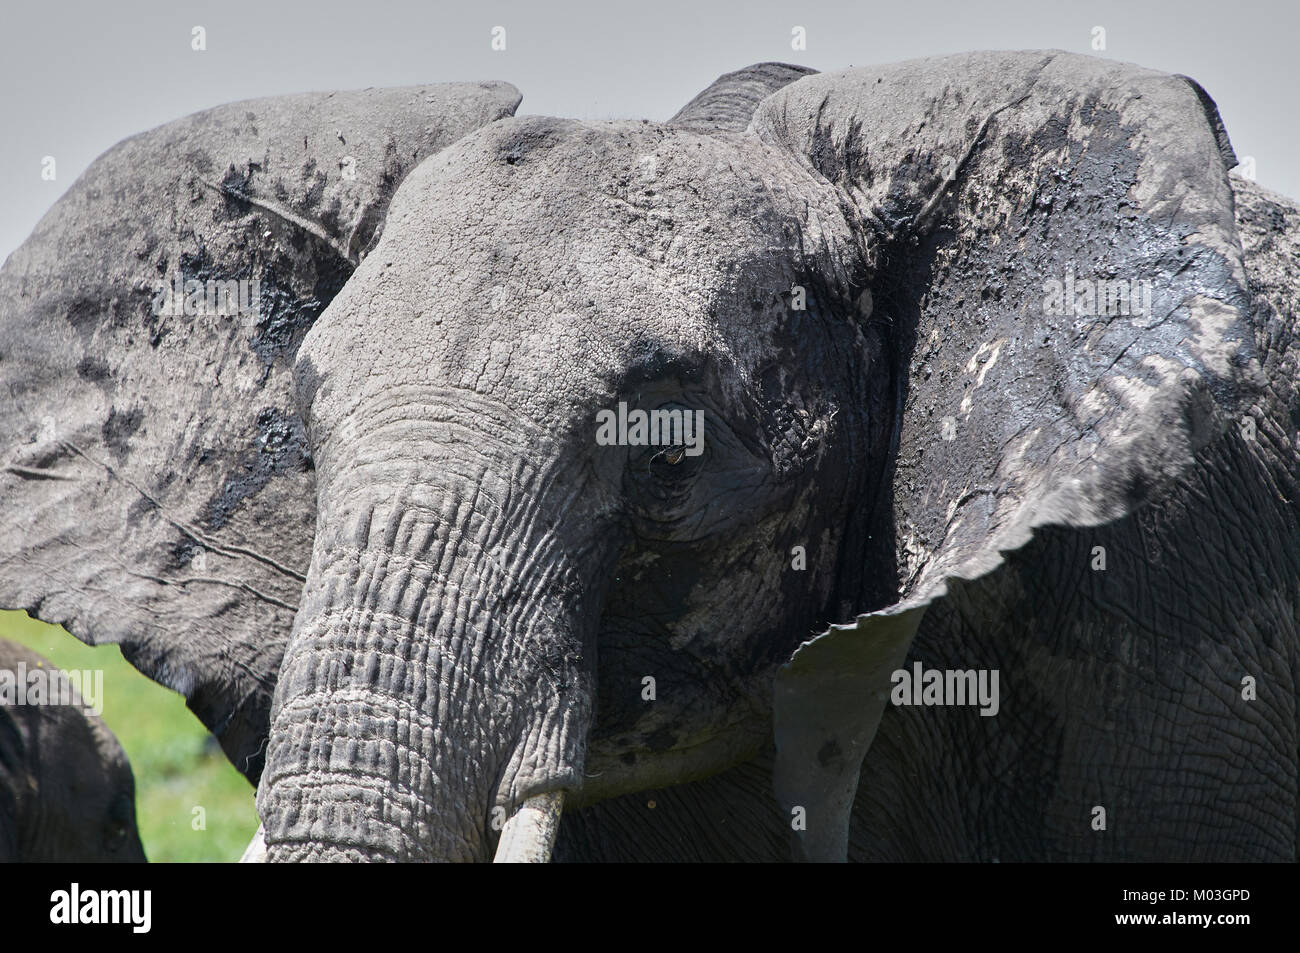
x=67, y=794
x=611, y=420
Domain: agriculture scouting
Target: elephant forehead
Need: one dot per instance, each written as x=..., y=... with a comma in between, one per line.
x=576, y=250
x=584, y=211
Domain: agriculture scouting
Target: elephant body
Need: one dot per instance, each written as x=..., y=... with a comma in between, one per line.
x=66, y=789
x=994, y=366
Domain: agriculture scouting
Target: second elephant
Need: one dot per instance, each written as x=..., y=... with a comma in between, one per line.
x=66, y=789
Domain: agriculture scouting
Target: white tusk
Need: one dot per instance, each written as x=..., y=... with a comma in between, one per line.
x=529, y=835
x=255, y=852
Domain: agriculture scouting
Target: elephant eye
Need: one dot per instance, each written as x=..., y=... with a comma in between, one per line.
x=669, y=464
x=661, y=479
x=669, y=448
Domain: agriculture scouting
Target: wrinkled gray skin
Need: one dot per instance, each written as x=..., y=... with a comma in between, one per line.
x=66, y=789
x=478, y=591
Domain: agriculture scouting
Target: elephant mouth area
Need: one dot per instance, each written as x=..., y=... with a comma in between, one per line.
x=615, y=767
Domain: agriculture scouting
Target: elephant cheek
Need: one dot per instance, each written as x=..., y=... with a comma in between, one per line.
x=435, y=679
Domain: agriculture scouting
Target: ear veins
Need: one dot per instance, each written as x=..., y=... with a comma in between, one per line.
x=287, y=216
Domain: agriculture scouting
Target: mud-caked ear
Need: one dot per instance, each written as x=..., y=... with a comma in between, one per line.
x=1054, y=254
x=156, y=485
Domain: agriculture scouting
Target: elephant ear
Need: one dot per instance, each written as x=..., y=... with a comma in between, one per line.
x=728, y=104
x=156, y=486
x=1051, y=244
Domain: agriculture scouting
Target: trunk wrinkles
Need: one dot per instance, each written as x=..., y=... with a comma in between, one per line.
x=436, y=670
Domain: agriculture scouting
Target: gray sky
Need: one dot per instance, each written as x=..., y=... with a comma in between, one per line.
x=78, y=77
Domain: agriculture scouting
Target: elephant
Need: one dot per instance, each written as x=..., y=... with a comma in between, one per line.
x=591, y=490
x=67, y=793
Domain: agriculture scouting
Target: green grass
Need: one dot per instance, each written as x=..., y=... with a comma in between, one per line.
x=177, y=763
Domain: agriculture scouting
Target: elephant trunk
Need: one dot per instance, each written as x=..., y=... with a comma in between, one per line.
x=436, y=680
